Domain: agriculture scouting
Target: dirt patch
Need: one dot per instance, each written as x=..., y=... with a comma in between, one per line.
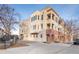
x=18, y=45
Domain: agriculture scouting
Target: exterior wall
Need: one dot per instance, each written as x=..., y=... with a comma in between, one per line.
x=24, y=30
x=40, y=31
x=45, y=33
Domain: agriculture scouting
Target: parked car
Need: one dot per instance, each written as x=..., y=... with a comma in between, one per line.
x=76, y=42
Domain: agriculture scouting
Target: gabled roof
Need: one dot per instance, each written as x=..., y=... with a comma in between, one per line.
x=46, y=9
x=51, y=9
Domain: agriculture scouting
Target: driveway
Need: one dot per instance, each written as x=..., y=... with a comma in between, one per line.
x=38, y=48
x=73, y=49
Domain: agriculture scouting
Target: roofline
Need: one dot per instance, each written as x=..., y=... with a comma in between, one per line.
x=52, y=9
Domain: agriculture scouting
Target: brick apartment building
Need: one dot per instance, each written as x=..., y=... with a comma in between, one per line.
x=45, y=26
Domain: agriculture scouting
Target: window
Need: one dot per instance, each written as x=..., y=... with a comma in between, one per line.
x=36, y=35
x=38, y=26
x=34, y=18
x=52, y=16
x=49, y=16
x=59, y=21
x=34, y=26
x=56, y=19
x=41, y=26
x=58, y=29
x=38, y=17
x=41, y=35
x=48, y=25
x=22, y=31
x=52, y=26
x=41, y=17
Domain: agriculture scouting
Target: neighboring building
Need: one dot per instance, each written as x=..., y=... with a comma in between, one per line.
x=44, y=26
x=24, y=29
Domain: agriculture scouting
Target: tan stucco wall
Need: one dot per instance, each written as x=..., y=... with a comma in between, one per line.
x=29, y=25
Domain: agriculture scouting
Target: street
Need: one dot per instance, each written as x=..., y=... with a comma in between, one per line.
x=42, y=48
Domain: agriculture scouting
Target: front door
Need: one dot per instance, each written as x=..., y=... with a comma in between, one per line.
x=48, y=37
x=52, y=38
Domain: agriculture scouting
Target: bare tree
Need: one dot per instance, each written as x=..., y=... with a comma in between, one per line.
x=8, y=18
x=73, y=27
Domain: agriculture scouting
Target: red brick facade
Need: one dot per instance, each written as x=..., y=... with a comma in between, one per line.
x=55, y=36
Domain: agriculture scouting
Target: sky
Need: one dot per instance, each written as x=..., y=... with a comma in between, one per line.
x=65, y=11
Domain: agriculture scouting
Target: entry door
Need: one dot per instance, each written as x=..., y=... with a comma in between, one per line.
x=52, y=37
x=48, y=36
